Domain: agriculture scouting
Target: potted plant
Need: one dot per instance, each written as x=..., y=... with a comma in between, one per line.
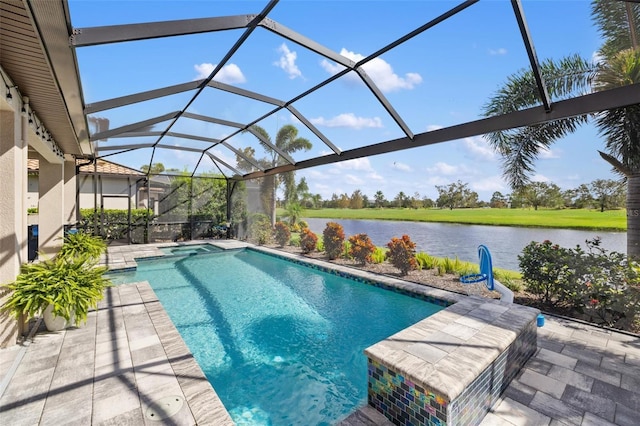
x=64, y=288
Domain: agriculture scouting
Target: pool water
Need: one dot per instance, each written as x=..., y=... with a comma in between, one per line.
x=282, y=344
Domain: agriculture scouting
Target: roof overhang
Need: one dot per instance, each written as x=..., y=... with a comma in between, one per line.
x=41, y=69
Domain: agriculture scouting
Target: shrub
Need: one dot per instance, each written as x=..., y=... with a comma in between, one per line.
x=260, y=228
x=281, y=233
x=333, y=238
x=378, y=255
x=361, y=248
x=308, y=240
x=402, y=254
x=603, y=286
x=82, y=244
x=345, y=250
x=544, y=266
x=609, y=291
x=426, y=261
x=295, y=240
x=114, y=226
x=512, y=280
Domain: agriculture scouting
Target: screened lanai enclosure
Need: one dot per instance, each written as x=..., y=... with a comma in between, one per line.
x=213, y=101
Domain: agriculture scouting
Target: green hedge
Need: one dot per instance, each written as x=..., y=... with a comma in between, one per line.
x=115, y=223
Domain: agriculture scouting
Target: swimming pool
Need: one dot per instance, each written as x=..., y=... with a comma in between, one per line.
x=281, y=343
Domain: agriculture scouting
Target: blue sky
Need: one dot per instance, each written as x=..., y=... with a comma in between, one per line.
x=440, y=78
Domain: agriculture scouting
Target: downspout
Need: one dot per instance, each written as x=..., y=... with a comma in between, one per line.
x=95, y=198
x=129, y=210
x=231, y=186
x=148, y=181
x=78, y=184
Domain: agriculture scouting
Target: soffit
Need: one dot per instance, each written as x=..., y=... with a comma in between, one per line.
x=29, y=33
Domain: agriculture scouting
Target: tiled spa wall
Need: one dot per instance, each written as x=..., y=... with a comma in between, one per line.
x=407, y=403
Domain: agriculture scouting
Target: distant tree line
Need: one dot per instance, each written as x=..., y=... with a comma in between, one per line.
x=601, y=194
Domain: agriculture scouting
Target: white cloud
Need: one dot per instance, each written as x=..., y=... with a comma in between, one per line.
x=540, y=178
x=499, y=51
x=315, y=174
x=432, y=127
x=379, y=70
x=441, y=168
x=287, y=62
x=321, y=187
x=490, y=184
x=437, y=180
x=361, y=164
x=401, y=166
x=229, y=74
x=348, y=120
x=353, y=180
x=546, y=154
x=375, y=176
x=331, y=67
x=224, y=157
x=479, y=148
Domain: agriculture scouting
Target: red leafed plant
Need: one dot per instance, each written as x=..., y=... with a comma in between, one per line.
x=282, y=233
x=333, y=238
x=402, y=254
x=308, y=240
x=361, y=248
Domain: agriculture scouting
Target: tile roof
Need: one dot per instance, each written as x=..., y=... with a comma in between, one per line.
x=103, y=167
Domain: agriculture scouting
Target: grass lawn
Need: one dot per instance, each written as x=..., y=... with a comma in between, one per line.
x=614, y=220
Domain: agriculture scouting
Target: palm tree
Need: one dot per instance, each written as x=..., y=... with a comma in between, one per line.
x=571, y=76
x=287, y=141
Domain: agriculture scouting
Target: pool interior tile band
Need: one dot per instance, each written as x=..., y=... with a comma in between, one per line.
x=425, y=297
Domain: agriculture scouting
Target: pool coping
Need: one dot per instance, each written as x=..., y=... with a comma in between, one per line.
x=443, y=366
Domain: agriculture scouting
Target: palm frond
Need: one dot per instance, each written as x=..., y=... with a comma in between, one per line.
x=618, y=22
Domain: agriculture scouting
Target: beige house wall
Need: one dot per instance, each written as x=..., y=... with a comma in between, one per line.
x=50, y=207
x=13, y=213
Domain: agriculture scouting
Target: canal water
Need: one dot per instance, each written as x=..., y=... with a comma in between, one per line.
x=450, y=240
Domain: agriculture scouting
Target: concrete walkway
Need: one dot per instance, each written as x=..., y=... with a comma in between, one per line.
x=129, y=362
x=127, y=366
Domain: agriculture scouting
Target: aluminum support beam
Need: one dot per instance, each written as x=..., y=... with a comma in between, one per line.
x=141, y=97
x=245, y=93
x=531, y=52
x=586, y=104
x=213, y=120
x=216, y=159
x=93, y=36
x=250, y=27
x=135, y=126
x=127, y=147
x=384, y=102
x=293, y=36
x=313, y=129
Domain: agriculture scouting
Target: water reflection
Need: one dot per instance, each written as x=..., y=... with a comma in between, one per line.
x=450, y=240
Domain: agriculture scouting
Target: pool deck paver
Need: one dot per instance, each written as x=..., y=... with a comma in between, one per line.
x=129, y=355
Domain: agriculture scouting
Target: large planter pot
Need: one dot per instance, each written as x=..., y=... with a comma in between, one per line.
x=56, y=323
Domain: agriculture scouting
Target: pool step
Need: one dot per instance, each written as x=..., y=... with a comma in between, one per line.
x=365, y=416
